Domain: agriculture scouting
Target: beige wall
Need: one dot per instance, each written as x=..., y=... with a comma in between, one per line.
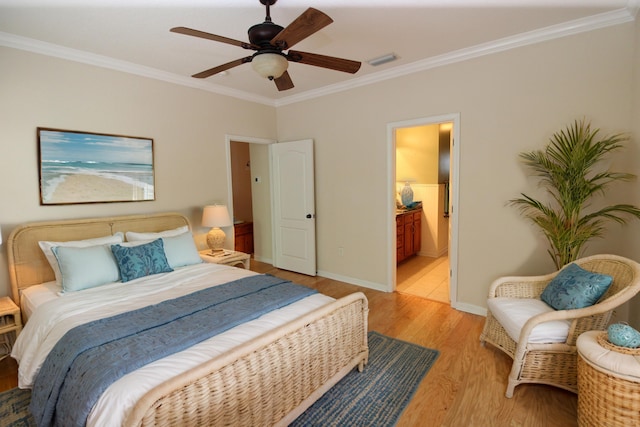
x=188, y=127
x=508, y=103
x=632, y=163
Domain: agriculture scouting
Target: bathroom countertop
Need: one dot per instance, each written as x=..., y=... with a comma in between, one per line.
x=402, y=210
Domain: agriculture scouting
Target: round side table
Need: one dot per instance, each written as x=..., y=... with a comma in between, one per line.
x=608, y=382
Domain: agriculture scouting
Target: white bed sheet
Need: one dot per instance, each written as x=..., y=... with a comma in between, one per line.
x=34, y=296
x=52, y=316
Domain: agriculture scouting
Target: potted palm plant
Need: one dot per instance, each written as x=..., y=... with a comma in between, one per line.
x=570, y=170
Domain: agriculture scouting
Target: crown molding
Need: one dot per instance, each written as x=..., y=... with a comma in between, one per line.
x=57, y=51
x=577, y=26
x=590, y=23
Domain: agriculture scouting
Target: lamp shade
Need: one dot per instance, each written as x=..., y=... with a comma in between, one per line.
x=270, y=65
x=216, y=216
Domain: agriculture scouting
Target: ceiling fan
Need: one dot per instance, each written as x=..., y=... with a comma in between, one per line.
x=270, y=41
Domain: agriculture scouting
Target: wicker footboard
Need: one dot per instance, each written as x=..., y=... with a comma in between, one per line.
x=268, y=381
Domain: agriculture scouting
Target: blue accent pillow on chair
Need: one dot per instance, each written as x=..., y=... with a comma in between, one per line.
x=574, y=287
x=142, y=260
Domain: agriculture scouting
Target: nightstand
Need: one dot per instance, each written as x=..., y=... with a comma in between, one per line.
x=228, y=257
x=10, y=321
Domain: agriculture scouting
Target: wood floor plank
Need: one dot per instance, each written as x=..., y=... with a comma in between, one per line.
x=466, y=384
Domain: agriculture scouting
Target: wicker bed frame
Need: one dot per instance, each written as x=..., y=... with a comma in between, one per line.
x=268, y=381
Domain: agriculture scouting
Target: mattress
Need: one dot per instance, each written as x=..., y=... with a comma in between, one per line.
x=51, y=315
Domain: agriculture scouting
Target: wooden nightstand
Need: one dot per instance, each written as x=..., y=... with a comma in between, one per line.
x=233, y=258
x=10, y=321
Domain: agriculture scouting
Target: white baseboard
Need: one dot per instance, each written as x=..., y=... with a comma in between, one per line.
x=434, y=254
x=353, y=281
x=470, y=308
x=263, y=259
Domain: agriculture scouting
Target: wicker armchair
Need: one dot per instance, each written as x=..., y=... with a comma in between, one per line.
x=556, y=363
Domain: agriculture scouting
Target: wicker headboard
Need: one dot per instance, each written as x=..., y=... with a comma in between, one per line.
x=28, y=265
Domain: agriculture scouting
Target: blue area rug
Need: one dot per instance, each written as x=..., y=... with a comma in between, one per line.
x=375, y=397
x=14, y=408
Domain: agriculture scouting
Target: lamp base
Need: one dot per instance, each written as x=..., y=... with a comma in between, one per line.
x=215, y=240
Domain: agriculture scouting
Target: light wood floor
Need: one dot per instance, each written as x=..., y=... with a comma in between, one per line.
x=465, y=386
x=424, y=277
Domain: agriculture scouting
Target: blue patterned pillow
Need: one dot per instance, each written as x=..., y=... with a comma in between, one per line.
x=575, y=287
x=142, y=260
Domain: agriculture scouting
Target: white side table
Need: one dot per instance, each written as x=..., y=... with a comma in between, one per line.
x=10, y=321
x=228, y=257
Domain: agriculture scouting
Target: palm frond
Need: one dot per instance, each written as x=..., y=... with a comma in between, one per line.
x=567, y=169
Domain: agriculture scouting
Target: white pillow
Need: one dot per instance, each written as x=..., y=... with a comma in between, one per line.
x=46, y=247
x=180, y=250
x=133, y=236
x=513, y=313
x=87, y=267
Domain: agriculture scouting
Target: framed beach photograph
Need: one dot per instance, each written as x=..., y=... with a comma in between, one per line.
x=83, y=167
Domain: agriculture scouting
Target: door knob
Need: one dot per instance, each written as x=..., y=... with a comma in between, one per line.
x=309, y=216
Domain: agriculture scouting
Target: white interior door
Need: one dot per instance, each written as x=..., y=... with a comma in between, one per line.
x=294, y=219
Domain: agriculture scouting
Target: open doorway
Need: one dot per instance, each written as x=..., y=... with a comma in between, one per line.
x=422, y=210
x=265, y=190
x=423, y=227
x=249, y=195
x=242, y=198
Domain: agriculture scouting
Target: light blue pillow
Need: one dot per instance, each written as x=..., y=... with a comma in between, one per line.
x=85, y=267
x=181, y=250
x=139, y=261
x=47, y=249
x=574, y=287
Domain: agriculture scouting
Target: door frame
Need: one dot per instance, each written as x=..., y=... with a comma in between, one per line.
x=453, y=202
x=228, y=140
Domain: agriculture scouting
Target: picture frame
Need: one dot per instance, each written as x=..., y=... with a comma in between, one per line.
x=77, y=167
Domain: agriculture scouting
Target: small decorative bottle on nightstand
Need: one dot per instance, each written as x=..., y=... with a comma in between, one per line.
x=10, y=324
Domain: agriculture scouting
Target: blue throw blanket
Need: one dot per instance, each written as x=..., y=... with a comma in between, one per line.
x=90, y=357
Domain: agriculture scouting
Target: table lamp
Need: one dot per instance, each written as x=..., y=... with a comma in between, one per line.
x=216, y=216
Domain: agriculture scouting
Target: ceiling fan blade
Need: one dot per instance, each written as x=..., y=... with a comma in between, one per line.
x=221, y=68
x=284, y=82
x=303, y=26
x=209, y=36
x=330, y=62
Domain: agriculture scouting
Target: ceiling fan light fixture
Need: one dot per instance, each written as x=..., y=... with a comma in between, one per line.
x=269, y=40
x=270, y=65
